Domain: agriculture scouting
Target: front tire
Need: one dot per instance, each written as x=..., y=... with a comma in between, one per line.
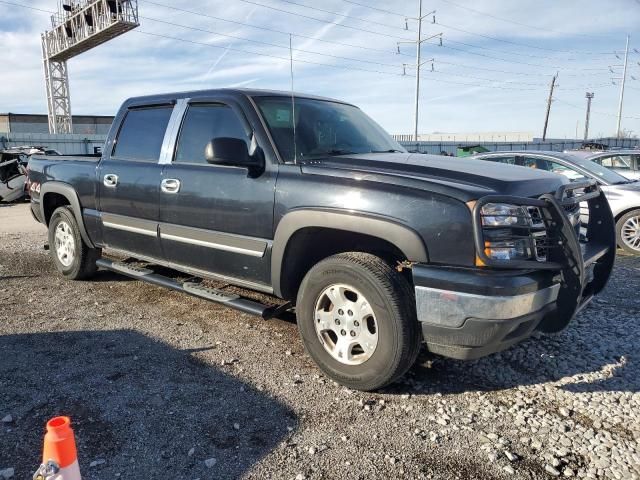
x=356, y=315
x=73, y=258
x=628, y=232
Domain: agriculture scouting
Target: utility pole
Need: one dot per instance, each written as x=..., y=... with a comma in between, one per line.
x=418, y=59
x=546, y=118
x=624, y=80
x=419, y=63
x=590, y=96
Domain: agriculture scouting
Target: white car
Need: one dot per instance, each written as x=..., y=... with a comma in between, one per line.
x=622, y=193
x=625, y=162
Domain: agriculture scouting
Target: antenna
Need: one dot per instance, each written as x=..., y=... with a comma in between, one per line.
x=293, y=103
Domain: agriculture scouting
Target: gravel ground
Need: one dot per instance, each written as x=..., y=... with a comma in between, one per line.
x=159, y=384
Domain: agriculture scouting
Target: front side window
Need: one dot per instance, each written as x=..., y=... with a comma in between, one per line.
x=142, y=134
x=553, y=167
x=616, y=161
x=203, y=123
x=322, y=128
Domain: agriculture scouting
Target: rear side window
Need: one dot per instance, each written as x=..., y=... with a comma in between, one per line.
x=202, y=124
x=507, y=160
x=142, y=134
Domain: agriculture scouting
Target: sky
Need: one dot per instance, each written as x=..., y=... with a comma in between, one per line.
x=492, y=72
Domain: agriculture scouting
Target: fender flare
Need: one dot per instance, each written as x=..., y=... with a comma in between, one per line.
x=70, y=194
x=404, y=238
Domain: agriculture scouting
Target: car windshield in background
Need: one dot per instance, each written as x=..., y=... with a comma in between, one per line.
x=322, y=128
x=608, y=176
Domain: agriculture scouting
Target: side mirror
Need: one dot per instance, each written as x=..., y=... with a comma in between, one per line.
x=229, y=151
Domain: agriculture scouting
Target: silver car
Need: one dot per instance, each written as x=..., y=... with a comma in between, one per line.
x=622, y=193
x=625, y=162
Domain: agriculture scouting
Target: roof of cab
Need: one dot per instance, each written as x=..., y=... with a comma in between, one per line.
x=240, y=92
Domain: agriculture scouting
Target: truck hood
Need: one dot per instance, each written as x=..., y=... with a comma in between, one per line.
x=467, y=178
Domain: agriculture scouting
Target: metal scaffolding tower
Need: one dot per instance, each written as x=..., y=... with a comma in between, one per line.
x=79, y=25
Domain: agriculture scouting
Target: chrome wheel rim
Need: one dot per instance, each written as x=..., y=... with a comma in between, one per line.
x=630, y=233
x=65, y=245
x=346, y=324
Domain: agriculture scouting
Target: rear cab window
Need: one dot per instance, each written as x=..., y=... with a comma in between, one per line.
x=142, y=133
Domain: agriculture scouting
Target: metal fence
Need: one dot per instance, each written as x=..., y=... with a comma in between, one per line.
x=437, y=148
x=86, y=144
x=64, y=144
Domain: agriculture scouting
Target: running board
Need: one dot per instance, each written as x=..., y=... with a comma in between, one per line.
x=197, y=290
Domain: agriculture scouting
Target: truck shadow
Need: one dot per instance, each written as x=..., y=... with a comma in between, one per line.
x=579, y=359
x=598, y=352
x=147, y=409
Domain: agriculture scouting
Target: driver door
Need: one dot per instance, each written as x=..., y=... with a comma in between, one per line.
x=216, y=218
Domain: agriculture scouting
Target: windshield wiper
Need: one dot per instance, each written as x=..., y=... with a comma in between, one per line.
x=392, y=150
x=338, y=151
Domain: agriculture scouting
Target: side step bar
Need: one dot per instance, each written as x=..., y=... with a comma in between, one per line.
x=218, y=296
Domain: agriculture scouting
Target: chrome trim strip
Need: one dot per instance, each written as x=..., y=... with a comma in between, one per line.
x=197, y=272
x=451, y=309
x=216, y=240
x=129, y=224
x=171, y=134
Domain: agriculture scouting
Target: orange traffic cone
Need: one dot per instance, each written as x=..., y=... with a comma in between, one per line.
x=59, y=457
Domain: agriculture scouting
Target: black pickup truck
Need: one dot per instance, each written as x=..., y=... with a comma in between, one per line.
x=309, y=200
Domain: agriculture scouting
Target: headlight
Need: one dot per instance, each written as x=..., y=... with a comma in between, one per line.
x=502, y=214
x=507, y=232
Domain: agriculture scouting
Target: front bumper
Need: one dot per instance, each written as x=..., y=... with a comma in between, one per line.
x=468, y=313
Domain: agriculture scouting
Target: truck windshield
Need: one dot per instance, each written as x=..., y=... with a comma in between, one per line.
x=322, y=128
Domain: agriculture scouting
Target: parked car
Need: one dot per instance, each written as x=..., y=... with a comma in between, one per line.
x=13, y=171
x=623, y=194
x=376, y=248
x=625, y=162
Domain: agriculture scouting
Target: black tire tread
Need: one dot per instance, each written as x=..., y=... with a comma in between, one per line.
x=400, y=294
x=87, y=256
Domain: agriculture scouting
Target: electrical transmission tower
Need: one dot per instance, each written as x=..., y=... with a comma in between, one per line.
x=419, y=63
x=78, y=26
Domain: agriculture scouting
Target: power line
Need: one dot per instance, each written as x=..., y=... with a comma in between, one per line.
x=378, y=9
x=352, y=17
x=309, y=17
x=260, y=42
x=596, y=112
x=341, y=67
x=489, y=37
x=511, y=72
x=267, y=29
x=202, y=14
x=260, y=54
x=464, y=7
x=26, y=6
x=554, y=67
x=508, y=82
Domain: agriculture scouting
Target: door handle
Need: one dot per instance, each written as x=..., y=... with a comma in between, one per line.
x=170, y=185
x=110, y=180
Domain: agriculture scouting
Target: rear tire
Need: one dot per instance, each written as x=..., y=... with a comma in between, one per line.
x=357, y=318
x=73, y=258
x=628, y=232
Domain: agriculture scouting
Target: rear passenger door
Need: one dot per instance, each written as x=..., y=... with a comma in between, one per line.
x=129, y=182
x=217, y=218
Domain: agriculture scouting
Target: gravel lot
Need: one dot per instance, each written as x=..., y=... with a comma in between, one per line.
x=162, y=385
